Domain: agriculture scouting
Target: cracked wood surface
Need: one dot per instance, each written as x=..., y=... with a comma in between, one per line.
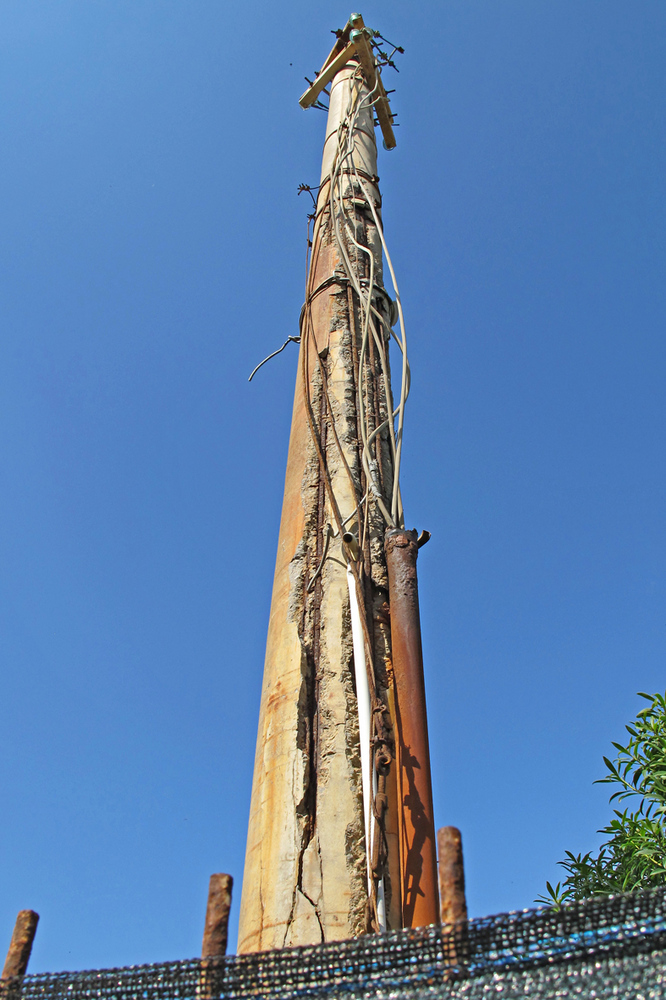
x=304, y=879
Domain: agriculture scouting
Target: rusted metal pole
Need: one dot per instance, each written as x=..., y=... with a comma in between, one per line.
x=20, y=947
x=214, y=946
x=418, y=854
x=217, y=916
x=453, y=905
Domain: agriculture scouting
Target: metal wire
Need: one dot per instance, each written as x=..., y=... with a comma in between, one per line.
x=334, y=219
x=345, y=234
x=289, y=340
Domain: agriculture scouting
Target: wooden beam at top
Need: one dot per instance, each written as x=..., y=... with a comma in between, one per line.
x=326, y=75
x=340, y=43
x=374, y=81
x=353, y=41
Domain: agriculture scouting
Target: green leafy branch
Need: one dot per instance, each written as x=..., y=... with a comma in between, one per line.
x=634, y=855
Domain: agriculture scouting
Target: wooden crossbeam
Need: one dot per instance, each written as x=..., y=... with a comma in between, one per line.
x=341, y=41
x=353, y=43
x=373, y=79
x=326, y=75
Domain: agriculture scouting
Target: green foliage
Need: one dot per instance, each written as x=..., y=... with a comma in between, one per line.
x=634, y=855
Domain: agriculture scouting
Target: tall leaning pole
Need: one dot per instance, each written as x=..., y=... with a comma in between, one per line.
x=341, y=835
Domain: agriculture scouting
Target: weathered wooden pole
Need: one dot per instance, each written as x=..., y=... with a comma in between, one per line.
x=20, y=947
x=323, y=858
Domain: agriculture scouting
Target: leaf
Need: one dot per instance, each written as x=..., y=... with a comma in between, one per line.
x=633, y=855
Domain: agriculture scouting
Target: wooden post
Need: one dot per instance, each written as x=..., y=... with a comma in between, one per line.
x=217, y=917
x=20, y=947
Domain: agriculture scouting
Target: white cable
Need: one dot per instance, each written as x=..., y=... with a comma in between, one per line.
x=404, y=387
x=368, y=773
x=344, y=183
x=344, y=153
x=364, y=716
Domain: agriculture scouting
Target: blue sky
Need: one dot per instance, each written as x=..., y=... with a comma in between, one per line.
x=152, y=252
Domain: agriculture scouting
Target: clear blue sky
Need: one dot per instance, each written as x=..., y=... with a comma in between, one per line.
x=152, y=253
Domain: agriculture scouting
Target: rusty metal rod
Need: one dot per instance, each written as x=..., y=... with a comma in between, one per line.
x=453, y=905
x=217, y=916
x=418, y=853
x=20, y=946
